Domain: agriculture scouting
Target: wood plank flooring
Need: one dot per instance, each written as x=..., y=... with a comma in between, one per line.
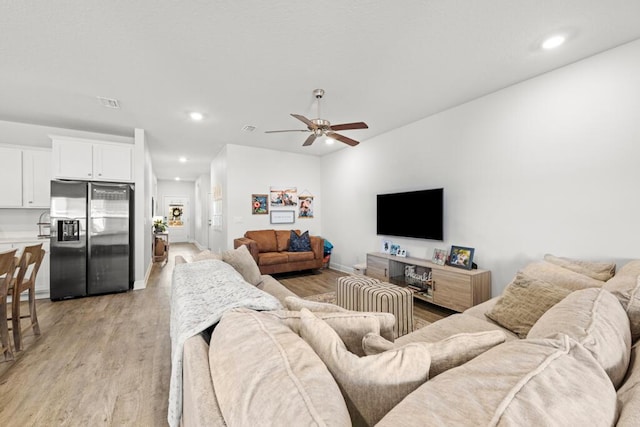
x=105, y=360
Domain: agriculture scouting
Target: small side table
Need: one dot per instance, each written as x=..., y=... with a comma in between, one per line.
x=160, y=247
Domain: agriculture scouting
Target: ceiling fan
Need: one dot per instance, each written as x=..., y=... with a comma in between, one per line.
x=319, y=127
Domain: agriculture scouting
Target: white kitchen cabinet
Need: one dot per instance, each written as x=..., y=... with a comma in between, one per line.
x=36, y=178
x=90, y=160
x=11, y=178
x=26, y=177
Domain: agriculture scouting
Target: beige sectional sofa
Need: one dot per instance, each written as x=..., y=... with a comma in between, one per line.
x=569, y=356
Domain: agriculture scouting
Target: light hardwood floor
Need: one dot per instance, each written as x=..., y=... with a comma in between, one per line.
x=105, y=360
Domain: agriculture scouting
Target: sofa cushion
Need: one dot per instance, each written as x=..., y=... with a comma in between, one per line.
x=548, y=382
x=241, y=259
x=594, y=318
x=625, y=285
x=206, y=254
x=261, y=370
x=295, y=303
x=629, y=393
x=282, y=239
x=351, y=326
x=452, y=325
x=299, y=242
x=371, y=385
x=272, y=258
x=523, y=301
x=445, y=354
x=266, y=239
x=602, y=271
x=560, y=276
x=275, y=288
x=299, y=256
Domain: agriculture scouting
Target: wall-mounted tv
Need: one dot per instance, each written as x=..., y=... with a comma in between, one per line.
x=415, y=214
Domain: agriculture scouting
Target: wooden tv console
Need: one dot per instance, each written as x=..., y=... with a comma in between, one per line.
x=450, y=287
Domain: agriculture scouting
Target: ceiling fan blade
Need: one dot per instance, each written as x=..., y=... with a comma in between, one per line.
x=310, y=140
x=288, y=130
x=347, y=126
x=342, y=138
x=304, y=120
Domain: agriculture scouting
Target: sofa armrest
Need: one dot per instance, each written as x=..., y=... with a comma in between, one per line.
x=317, y=246
x=200, y=405
x=252, y=245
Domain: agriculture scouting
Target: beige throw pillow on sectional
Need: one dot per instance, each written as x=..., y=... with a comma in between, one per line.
x=595, y=319
x=263, y=373
x=351, y=326
x=206, y=254
x=522, y=303
x=550, y=382
x=295, y=304
x=602, y=271
x=243, y=262
x=625, y=285
x=445, y=354
x=560, y=276
x=371, y=385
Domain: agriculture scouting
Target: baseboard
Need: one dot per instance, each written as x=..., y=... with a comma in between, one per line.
x=142, y=284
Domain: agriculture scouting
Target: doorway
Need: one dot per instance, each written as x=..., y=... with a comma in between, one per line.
x=177, y=210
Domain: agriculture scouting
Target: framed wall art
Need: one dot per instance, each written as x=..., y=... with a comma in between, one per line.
x=259, y=204
x=283, y=197
x=461, y=257
x=306, y=207
x=283, y=217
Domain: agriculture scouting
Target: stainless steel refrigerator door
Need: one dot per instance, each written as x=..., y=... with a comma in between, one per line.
x=68, y=255
x=108, y=240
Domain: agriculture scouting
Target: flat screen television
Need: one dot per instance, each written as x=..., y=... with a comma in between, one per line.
x=417, y=214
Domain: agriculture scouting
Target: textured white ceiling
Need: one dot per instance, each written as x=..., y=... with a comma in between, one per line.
x=254, y=62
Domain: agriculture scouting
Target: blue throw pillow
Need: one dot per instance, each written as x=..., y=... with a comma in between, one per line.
x=299, y=243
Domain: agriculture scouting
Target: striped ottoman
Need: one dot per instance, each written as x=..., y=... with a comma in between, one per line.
x=367, y=294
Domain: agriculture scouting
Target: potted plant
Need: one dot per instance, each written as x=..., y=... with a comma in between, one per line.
x=159, y=224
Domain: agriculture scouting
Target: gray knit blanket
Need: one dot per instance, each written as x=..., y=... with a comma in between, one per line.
x=201, y=292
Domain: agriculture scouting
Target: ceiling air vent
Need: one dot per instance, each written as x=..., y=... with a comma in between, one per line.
x=248, y=128
x=109, y=102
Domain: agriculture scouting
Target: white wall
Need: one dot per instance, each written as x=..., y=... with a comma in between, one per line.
x=201, y=220
x=242, y=171
x=546, y=166
x=181, y=189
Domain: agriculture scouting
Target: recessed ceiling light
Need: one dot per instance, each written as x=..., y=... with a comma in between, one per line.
x=248, y=128
x=182, y=159
x=196, y=116
x=177, y=178
x=553, y=42
x=330, y=140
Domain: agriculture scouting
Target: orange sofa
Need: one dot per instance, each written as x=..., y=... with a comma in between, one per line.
x=270, y=249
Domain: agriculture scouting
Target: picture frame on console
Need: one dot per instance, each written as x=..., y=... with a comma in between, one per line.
x=439, y=256
x=394, y=249
x=461, y=257
x=386, y=246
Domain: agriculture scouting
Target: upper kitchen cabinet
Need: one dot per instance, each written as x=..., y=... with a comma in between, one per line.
x=90, y=160
x=36, y=178
x=26, y=174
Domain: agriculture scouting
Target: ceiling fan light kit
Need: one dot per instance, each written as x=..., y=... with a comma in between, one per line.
x=321, y=127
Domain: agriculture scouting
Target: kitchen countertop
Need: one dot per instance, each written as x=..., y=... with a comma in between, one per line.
x=21, y=238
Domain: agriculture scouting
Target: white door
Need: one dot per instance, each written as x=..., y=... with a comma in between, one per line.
x=178, y=212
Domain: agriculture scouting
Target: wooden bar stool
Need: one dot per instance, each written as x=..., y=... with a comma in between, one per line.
x=25, y=280
x=7, y=268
